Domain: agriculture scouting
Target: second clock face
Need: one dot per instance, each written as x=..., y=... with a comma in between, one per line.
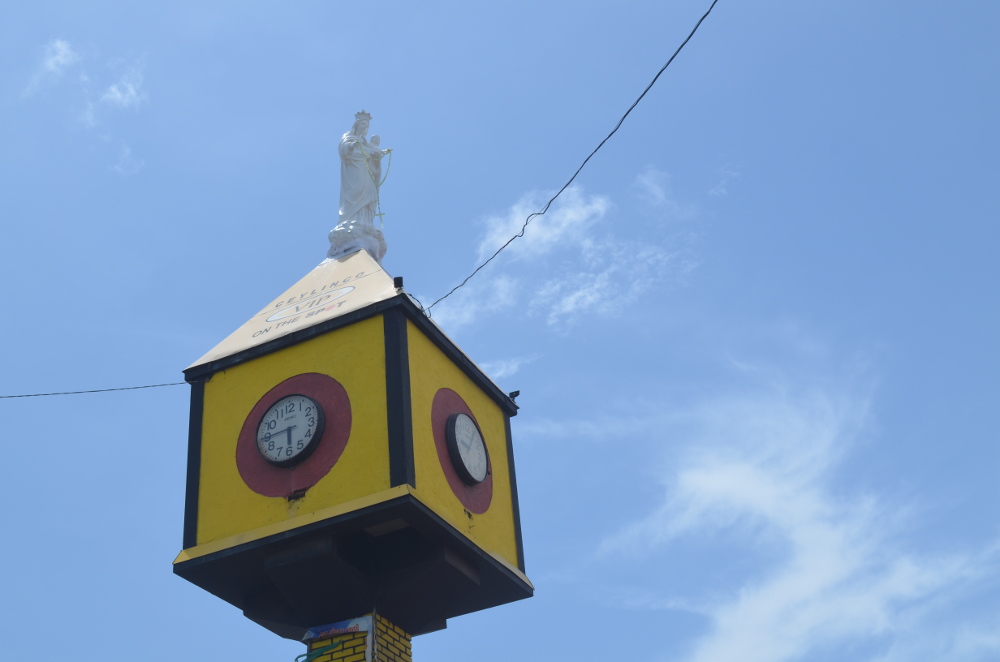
x=290, y=430
x=467, y=448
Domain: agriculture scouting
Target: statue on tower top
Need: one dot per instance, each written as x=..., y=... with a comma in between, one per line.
x=360, y=180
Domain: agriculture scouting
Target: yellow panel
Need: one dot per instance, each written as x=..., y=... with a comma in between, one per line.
x=430, y=370
x=355, y=357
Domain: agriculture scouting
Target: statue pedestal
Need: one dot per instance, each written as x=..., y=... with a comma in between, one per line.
x=352, y=236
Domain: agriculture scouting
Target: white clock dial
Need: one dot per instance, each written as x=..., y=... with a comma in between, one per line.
x=290, y=430
x=467, y=448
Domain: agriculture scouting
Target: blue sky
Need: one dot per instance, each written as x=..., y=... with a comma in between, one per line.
x=755, y=341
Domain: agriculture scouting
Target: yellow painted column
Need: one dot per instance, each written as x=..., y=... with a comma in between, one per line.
x=391, y=643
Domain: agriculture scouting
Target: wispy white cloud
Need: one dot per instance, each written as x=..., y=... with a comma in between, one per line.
x=580, y=293
x=92, y=108
x=58, y=55
x=654, y=189
x=931, y=631
x=576, y=261
x=727, y=173
x=568, y=222
x=472, y=304
x=127, y=163
x=759, y=473
x=752, y=453
x=127, y=92
x=609, y=428
x=88, y=116
x=503, y=368
x=617, y=277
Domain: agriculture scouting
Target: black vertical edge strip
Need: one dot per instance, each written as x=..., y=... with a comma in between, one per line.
x=513, y=495
x=193, y=465
x=397, y=395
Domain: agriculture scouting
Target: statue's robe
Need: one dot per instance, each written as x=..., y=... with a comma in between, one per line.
x=358, y=189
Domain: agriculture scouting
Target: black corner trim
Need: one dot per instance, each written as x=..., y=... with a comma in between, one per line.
x=398, y=403
x=513, y=496
x=193, y=465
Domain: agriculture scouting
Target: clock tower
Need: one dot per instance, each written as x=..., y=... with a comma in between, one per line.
x=347, y=461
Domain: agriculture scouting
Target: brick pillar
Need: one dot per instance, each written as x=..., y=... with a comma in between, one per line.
x=391, y=644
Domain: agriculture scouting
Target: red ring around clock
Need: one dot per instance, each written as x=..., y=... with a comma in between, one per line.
x=263, y=477
x=476, y=498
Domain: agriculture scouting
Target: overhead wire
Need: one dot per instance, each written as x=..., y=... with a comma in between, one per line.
x=96, y=390
x=589, y=156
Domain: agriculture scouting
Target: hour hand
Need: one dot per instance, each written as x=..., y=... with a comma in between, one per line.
x=282, y=431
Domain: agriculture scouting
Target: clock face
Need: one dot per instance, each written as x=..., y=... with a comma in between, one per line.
x=289, y=430
x=467, y=448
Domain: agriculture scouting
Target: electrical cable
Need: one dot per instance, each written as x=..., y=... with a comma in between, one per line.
x=566, y=185
x=98, y=390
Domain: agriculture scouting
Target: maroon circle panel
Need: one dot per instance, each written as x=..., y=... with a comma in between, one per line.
x=476, y=498
x=263, y=477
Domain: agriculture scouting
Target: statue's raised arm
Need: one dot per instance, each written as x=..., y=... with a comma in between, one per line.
x=360, y=179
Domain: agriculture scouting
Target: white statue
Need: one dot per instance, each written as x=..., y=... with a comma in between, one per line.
x=360, y=172
x=360, y=179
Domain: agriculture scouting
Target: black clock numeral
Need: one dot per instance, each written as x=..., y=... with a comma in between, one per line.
x=288, y=452
x=301, y=444
x=309, y=433
x=309, y=411
x=272, y=424
x=270, y=445
x=312, y=421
